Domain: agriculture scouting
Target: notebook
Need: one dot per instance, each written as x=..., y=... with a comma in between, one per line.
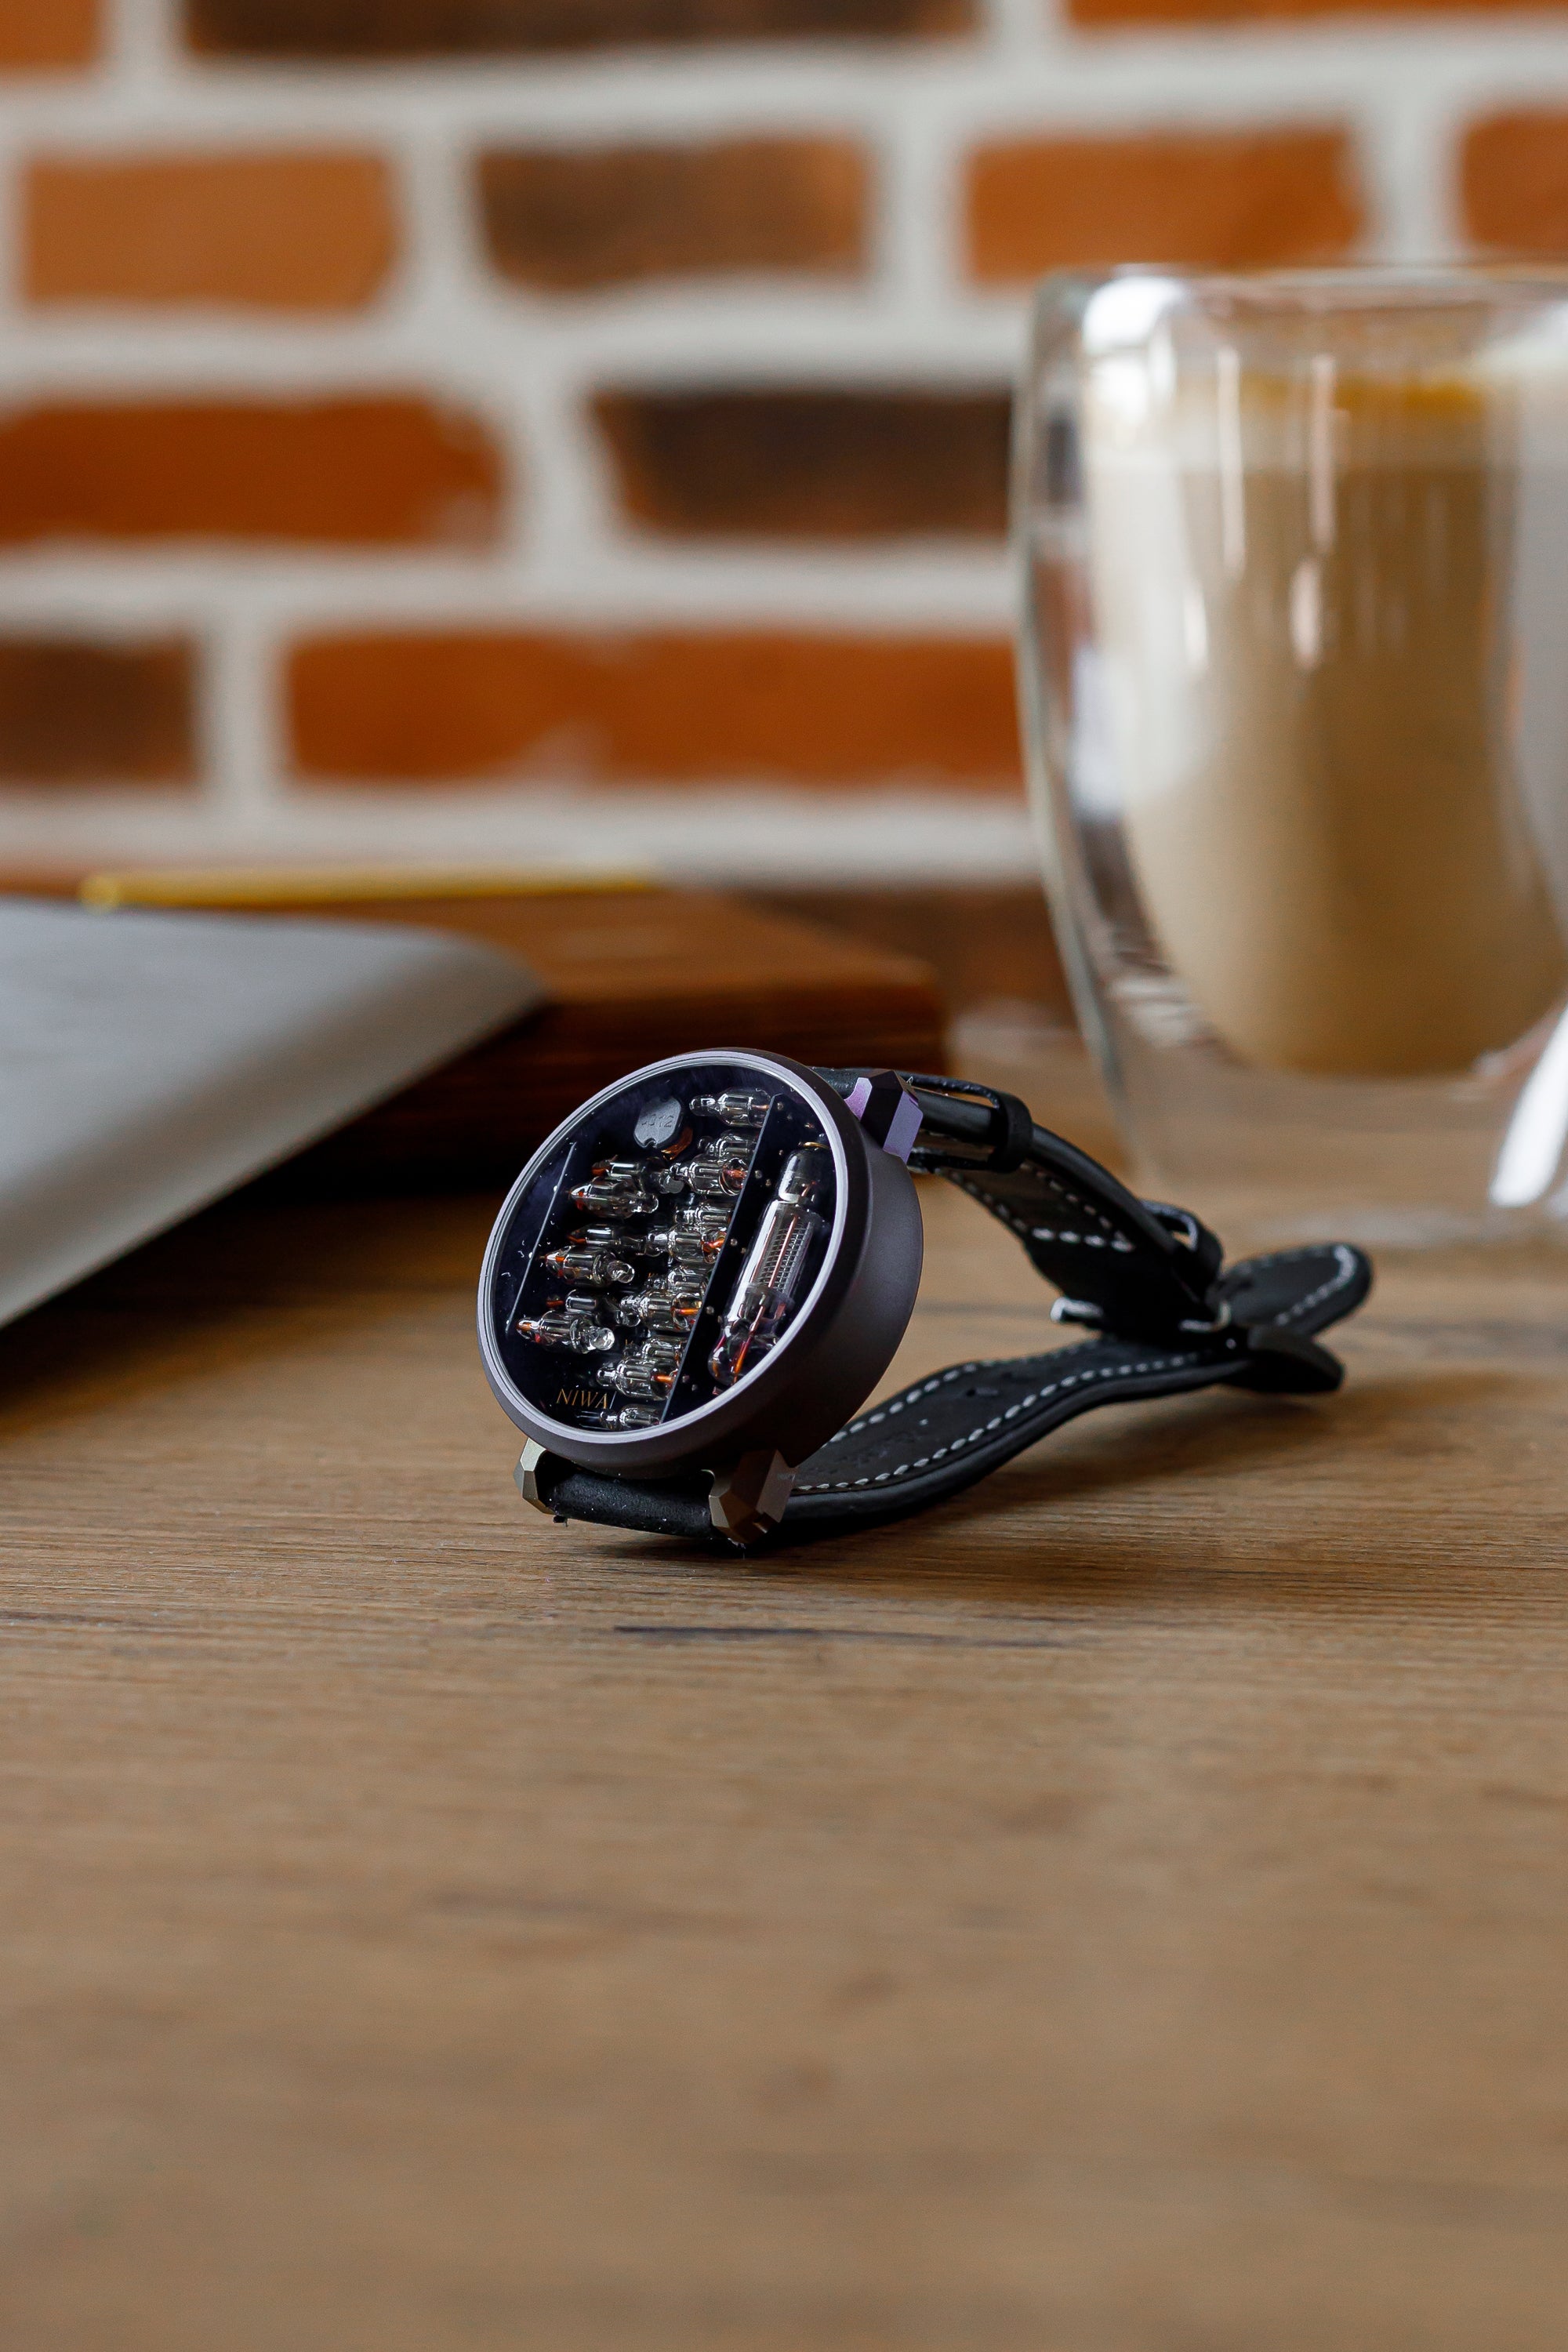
x=633, y=970
x=150, y=1061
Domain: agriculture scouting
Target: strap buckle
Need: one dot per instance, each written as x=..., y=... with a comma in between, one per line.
x=1079, y=1310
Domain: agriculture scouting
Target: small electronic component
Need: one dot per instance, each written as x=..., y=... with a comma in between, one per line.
x=649, y=1371
x=666, y=1304
x=720, y=1169
x=563, y=1325
x=697, y=1235
x=617, y=1188
x=661, y=1124
x=636, y=1243
x=583, y=1260
x=737, y=1107
x=770, y=1282
x=622, y=1416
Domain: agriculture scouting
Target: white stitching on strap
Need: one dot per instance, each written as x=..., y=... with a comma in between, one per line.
x=1346, y=1264
x=1346, y=1269
x=921, y=1387
x=1037, y=1396
x=1032, y=1233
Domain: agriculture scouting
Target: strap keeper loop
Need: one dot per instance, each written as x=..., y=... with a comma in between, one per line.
x=1008, y=1130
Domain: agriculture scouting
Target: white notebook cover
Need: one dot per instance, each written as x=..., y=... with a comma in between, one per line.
x=151, y=1062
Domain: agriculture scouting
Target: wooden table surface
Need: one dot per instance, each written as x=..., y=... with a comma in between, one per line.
x=1125, y=1911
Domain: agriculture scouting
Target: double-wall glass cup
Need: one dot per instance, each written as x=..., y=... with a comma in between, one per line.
x=1296, y=671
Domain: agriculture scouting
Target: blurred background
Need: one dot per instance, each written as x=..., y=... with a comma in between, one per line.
x=575, y=432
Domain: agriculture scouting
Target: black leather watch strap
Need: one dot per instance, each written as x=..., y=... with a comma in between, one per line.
x=1147, y=1279
x=944, y=1433
x=1135, y=1267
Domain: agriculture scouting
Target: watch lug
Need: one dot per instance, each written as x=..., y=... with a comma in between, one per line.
x=747, y=1501
x=532, y=1477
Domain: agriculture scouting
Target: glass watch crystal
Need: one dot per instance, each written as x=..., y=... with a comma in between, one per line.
x=662, y=1247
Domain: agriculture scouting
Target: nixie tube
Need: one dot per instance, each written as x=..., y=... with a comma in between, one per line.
x=765, y=1295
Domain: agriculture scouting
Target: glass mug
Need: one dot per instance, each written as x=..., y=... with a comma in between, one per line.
x=1295, y=664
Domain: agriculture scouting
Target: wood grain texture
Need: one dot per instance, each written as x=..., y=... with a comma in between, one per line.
x=1122, y=1912
x=631, y=977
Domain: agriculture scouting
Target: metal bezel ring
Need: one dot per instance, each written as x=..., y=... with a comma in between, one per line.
x=824, y=1366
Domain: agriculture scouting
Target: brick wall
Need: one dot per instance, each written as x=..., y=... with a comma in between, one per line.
x=577, y=428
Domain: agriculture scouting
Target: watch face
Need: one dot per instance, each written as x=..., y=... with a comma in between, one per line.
x=666, y=1242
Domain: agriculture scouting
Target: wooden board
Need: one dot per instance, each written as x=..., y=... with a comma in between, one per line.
x=633, y=975
x=1122, y=1912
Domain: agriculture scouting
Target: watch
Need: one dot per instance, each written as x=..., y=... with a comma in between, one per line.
x=701, y=1277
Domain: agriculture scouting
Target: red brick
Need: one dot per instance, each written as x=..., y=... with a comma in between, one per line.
x=1513, y=183
x=1223, y=199
x=402, y=28
x=564, y=219
x=1095, y=13
x=703, y=707
x=370, y=472
x=78, y=713
x=36, y=33
x=298, y=232
x=803, y=462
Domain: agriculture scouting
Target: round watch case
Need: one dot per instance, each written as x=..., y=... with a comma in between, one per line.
x=835, y=1340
